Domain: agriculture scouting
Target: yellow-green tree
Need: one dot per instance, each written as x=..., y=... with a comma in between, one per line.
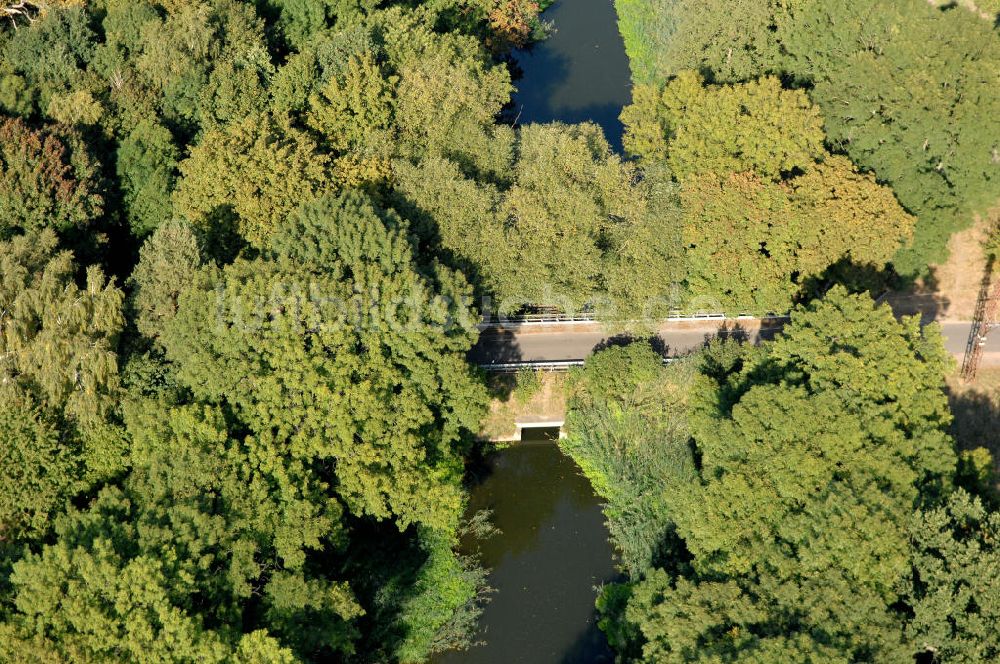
x=251, y=174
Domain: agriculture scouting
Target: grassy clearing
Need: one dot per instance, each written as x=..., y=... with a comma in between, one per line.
x=525, y=396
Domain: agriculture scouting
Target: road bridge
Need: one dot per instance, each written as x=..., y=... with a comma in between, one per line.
x=557, y=345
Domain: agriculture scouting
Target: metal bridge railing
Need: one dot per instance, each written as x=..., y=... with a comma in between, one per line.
x=557, y=317
x=546, y=365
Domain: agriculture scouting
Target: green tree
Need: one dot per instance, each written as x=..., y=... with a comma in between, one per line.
x=137, y=573
x=168, y=264
x=206, y=63
x=39, y=468
x=956, y=605
x=901, y=86
x=57, y=340
x=333, y=346
x=813, y=451
x=146, y=167
x=576, y=225
x=48, y=58
x=626, y=430
x=757, y=126
x=298, y=20
x=729, y=40
x=904, y=92
x=354, y=109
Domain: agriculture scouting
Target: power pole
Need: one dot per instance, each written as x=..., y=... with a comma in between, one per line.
x=983, y=320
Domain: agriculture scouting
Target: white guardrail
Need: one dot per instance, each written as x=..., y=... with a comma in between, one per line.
x=555, y=317
x=540, y=365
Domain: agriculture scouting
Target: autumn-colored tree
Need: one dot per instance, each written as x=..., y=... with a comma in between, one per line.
x=515, y=22
x=884, y=73
x=754, y=246
x=47, y=180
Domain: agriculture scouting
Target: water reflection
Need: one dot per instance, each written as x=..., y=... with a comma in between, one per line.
x=579, y=73
x=551, y=554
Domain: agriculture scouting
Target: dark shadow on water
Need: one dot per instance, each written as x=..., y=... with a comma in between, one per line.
x=590, y=647
x=580, y=73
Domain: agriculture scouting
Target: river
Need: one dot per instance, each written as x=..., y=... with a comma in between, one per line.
x=551, y=554
x=579, y=73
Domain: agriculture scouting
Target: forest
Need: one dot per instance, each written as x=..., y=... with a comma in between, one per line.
x=245, y=246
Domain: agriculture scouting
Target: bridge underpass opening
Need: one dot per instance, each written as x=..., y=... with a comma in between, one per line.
x=547, y=430
x=543, y=434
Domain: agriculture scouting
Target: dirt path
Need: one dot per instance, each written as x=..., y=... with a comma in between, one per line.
x=950, y=293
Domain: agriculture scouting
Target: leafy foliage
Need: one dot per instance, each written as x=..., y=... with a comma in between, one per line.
x=47, y=179
x=57, y=340
x=766, y=209
x=794, y=525
x=755, y=246
x=903, y=87
x=755, y=127
x=334, y=347
x=626, y=432
x=40, y=469
x=254, y=173
x=954, y=600
x=146, y=168
x=575, y=226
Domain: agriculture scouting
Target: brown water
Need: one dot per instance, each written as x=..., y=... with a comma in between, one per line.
x=551, y=555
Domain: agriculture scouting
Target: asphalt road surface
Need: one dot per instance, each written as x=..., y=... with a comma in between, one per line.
x=576, y=342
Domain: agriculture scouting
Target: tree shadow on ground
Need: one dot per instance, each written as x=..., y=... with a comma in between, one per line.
x=904, y=294
x=977, y=420
x=495, y=346
x=656, y=342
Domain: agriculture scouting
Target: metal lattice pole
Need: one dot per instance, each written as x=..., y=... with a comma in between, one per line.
x=983, y=320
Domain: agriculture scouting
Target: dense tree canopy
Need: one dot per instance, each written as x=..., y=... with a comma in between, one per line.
x=58, y=380
x=206, y=501
x=766, y=209
x=238, y=247
x=793, y=535
x=333, y=346
x=47, y=179
x=575, y=225
x=904, y=87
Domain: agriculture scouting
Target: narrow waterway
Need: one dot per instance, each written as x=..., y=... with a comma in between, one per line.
x=580, y=73
x=552, y=552
x=550, y=556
